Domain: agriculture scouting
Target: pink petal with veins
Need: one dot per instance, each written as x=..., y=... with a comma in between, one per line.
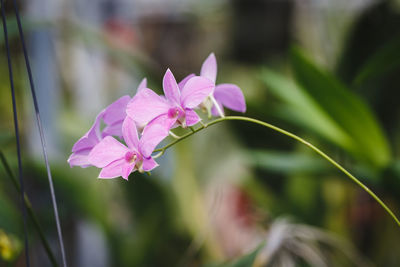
x=80, y=158
x=195, y=91
x=153, y=134
x=165, y=120
x=182, y=83
x=107, y=151
x=149, y=164
x=129, y=132
x=116, y=111
x=113, y=170
x=114, y=129
x=230, y=96
x=191, y=117
x=209, y=68
x=171, y=89
x=126, y=170
x=145, y=106
x=92, y=137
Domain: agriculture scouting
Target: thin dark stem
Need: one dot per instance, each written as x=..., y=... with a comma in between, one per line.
x=42, y=139
x=21, y=180
x=297, y=138
x=31, y=213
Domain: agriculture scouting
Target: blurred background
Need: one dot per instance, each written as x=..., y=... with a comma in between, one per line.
x=235, y=193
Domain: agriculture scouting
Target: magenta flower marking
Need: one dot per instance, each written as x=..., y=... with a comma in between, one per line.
x=226, y=95
x=177, y=106
x=116, y=159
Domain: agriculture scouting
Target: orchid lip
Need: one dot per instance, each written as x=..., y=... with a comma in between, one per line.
x=131, y=157
x=176, y=112
x=179, y=114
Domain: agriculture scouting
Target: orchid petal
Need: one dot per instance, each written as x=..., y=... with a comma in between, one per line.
x=142, y=85
x=145, y=106
x=114, y=129
x=182, y=83
x=191, y=117
x=195, y=91
x=149, y=164
x=116, y=111
x=153, y=134
x=114, y=169
x=129, y=132
x=107, y=151
x=92, y=137
x=79, y=158
x=85, y=142
x=209, y=68
x=165, y=121
x=126, y=170
x=171, y=89
x=230, y=96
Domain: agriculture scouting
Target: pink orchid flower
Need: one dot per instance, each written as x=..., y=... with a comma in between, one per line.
x=225, y=95
x=113, y=116
x=176, y=108
x=116, y=159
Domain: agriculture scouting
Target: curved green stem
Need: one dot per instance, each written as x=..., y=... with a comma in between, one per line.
x=289, y=134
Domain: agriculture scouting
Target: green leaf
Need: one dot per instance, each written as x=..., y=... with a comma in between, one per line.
x=345, y=108
x=302, y=110
x=245, y=261
x=382, y=62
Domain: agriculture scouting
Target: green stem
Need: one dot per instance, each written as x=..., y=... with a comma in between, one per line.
x=301, y=140
x=30, y=211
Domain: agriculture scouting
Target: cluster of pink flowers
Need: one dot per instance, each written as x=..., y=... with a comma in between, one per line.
x=151, y=117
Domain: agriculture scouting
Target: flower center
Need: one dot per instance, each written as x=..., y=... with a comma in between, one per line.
x=131, y=157
x=175, y=113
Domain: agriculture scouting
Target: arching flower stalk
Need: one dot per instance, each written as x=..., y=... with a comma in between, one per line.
x=154, y=116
